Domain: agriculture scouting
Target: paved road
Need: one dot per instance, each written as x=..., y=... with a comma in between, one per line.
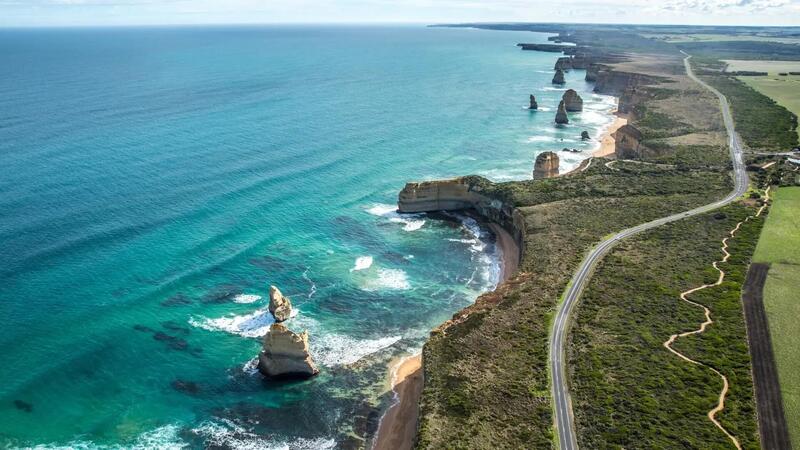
x=565, y=425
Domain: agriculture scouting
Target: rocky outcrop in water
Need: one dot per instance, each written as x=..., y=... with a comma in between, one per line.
x=285, y=354
x=628, y=142
x=591, y=72
x=558, y=78
x=564, y=63
x=585, y=135
x=561, y=114
x=546, y=166
x=572, y=101
x=533, y=105
x=279, y=306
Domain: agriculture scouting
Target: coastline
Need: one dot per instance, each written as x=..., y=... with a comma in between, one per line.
x=397, y=429
x=606, y=148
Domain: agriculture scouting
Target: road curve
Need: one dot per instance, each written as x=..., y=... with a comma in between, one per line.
x=562, y=405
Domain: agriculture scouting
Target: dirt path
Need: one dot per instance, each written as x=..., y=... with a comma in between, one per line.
x=668, y=344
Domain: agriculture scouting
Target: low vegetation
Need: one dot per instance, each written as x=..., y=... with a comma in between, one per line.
x=785, y=90
x=763, y=124
x=779, y=245
x=631, y=392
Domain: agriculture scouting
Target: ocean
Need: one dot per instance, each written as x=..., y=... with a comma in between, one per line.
x=155, y=181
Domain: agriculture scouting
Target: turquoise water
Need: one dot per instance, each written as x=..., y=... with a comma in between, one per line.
x=155, y=181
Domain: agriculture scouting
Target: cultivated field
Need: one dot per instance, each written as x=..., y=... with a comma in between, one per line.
x=780, y=245
x=771, y=67
x=679, y=38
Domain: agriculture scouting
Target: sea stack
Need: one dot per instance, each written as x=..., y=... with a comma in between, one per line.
x=563, y=63
x=585, y=135
x=559, y=77
x=572, y=101
x=285, y=354
x=534, y=105
x=546, y=166
x=561, y=114
x=279, y=306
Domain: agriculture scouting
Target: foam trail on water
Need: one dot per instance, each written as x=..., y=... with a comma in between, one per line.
x=387, y=279
x=246, y=298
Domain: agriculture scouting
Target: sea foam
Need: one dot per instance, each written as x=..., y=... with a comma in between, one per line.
x=411, y=222
x=246, y=298
x=362, y=262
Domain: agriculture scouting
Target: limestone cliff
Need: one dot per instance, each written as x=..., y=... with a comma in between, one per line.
x=546, y=165
x=628, y=142
x=459, y=194
x=285, y=354
x=561, y=114
x=572, y=101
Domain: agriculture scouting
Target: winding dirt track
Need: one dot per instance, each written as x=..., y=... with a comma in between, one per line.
x=668, y=343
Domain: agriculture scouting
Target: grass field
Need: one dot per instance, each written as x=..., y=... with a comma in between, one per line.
x=780, y=241
x=675, y=38
x=771, y=67
x=780, y=245
x=783, y=89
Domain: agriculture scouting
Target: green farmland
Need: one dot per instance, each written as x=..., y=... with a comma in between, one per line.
x=779, y=245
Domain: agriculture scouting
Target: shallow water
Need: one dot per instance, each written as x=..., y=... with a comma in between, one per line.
x=155, y=181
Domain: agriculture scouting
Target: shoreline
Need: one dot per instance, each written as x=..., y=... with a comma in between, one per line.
x=606, y=148
x=397, y=428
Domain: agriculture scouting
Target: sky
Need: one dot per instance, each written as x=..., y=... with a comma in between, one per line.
x=14, y=13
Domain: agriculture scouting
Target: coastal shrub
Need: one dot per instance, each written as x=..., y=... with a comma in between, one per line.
x=623, y=376
x=763, y=124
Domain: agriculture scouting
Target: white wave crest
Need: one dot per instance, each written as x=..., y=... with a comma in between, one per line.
x=253, y=325
x=226, y=434
x=341, y=350
x=411, y=222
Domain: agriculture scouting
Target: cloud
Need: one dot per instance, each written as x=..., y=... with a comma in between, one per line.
x=712, y=6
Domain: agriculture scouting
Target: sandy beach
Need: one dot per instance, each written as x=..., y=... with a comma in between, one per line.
x=607, y=140
x=398, y=426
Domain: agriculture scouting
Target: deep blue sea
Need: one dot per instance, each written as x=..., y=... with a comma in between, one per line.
x=155, y=181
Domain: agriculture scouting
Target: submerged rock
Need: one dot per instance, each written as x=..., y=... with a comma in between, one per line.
x=559, y=77
x=285, y=354
x=279, y=306
x=572, y=101
x=561, y=114
x=546, y=165
x=585, y=135
x=534, y=105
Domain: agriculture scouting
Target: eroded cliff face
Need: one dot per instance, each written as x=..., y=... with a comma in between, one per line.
x=459, y=194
